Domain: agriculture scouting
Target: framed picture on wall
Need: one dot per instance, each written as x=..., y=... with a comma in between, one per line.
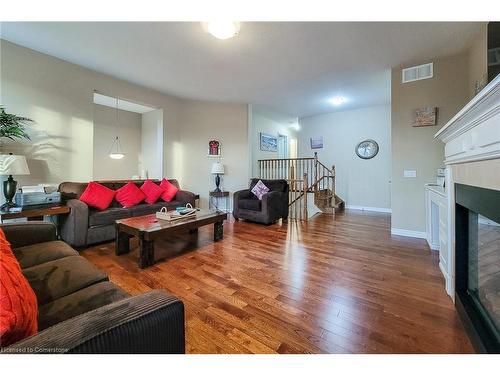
x=214, y=148
x=316, y=142
x=425, y=116
x=268, y=142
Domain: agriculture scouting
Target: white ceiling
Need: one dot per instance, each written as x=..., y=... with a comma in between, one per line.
x=292, y=67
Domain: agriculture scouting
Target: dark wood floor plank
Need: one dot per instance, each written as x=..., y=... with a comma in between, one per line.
x=334, y=284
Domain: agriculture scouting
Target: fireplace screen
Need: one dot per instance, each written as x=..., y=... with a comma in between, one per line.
x=477, y=264
x=484, y=266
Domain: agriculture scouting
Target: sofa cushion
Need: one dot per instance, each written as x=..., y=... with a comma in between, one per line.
x=260, y=189
x=129, y=195
x=97, y=195
x=108, y=216
x=152, y=191
x=18, y=304
x=79, y=302
x=250, y=204
x=42, y=252
x=170, y=190
x=58, y=278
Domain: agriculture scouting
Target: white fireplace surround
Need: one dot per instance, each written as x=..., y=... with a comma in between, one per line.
x=472, y=135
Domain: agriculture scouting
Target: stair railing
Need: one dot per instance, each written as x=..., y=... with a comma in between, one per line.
x=316, y=178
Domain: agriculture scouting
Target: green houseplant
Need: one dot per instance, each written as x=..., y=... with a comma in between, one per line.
x=13, y=126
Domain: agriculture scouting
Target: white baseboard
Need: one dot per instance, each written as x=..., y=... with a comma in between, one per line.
x=408, y=233
x=431, y=246
x=363, y=208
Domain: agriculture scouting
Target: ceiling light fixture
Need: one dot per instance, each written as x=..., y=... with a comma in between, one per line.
x=115, y=151
x=338, y=100
x=222, y=29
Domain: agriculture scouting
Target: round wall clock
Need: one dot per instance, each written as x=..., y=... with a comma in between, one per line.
x=367, y=149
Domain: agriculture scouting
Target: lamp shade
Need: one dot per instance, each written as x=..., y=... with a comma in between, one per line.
x=217, y=168
x=13, y=165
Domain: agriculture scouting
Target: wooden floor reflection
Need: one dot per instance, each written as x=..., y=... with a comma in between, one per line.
x=331, y=285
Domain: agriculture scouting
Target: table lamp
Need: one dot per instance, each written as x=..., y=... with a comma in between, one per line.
x=12, y=165
x=217, y=169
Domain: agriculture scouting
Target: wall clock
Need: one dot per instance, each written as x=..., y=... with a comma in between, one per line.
x=367, y=149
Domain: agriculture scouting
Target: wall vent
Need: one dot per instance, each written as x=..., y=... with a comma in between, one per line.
x=416, y=73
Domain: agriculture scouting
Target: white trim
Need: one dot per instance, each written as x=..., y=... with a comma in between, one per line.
x=433, y=247
x=408, y=233
x=363, y=208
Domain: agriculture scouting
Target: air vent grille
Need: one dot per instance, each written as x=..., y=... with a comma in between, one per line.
x=416, y=73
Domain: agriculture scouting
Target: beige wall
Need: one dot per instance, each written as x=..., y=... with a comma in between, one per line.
x=478, y=60
x=416, y=148
x=105, y=130
x=58, y=96
x=151, y=156
x=478, y=173
x=262, y=123
x=202, y=122
x=362, y=183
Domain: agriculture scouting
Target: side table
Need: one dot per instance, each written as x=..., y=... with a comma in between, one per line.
x=35, y=212
x=215, y=196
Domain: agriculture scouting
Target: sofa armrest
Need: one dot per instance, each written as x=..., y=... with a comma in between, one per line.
x=152, y=323
x=185, y=196
x=75, y=225
x=241, y=194
x=24, y=234
x=275, y=204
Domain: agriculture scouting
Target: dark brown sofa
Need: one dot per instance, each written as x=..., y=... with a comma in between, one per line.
x=80, y=311
x=272, y=207
x=85, y=226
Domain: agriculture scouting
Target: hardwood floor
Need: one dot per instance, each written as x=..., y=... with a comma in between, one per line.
x=331, y=285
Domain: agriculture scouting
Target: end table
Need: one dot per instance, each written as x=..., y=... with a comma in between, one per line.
x=215, y=196
x=32, y=213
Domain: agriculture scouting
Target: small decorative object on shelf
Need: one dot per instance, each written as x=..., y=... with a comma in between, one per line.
x=214, y=148
x=217, y=170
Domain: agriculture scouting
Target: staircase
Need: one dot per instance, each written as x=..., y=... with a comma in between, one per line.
x=309, y=179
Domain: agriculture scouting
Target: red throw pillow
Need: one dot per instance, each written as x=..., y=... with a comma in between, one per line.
x=152, y=191
x=97, y=195
x=169, y=190
x=18, y=306
x=129, y=195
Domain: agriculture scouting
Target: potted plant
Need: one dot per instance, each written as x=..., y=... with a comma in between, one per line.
x=13, y=126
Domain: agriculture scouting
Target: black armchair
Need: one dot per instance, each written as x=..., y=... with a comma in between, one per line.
x=272, y=207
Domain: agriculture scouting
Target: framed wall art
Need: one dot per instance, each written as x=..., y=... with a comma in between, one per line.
x=268, y=142
x=425, y=116
x=316, y=142
x=214, y=148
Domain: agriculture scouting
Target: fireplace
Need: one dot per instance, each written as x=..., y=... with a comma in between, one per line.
x=477, y=262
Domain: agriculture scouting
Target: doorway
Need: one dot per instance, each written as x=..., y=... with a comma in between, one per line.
x=282, y=146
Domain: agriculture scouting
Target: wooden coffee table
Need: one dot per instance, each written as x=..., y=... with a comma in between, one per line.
x=148, y=228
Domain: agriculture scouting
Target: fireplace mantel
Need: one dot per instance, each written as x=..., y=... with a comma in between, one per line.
x=472, y=140
x=474, y=132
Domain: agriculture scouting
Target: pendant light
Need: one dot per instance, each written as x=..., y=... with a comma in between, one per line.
x=115, y=151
